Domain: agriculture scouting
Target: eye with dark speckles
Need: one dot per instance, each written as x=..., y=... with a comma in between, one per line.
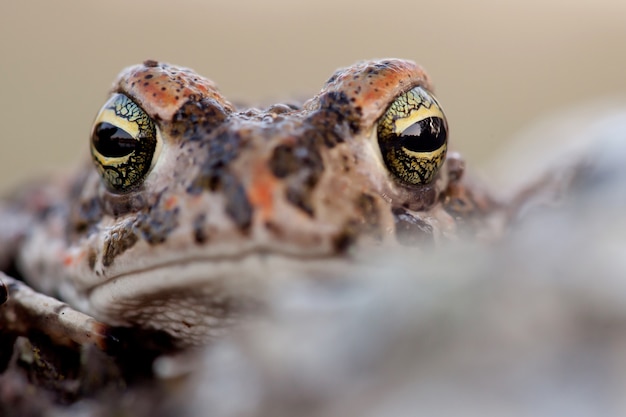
x=413, y=136
x=124, y=144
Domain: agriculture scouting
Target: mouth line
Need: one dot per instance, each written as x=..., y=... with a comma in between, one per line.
x=203, y=269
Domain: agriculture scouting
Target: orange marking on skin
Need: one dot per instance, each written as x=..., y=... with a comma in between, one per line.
x=171, y=202
x=203, y=88
x=377, y=90
x=261, y=192
x=155, y=92
x=70, y=259
x=162, y=88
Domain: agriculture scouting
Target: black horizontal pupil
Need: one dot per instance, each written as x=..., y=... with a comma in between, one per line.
x=112, y=142
x=427, y=135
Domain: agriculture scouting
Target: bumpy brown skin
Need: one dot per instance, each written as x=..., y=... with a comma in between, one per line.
x=231, y=186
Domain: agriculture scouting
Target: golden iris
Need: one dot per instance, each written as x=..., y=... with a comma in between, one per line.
x=413, y=136
x=123, y=143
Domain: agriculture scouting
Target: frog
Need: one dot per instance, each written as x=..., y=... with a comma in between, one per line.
x=189, y=205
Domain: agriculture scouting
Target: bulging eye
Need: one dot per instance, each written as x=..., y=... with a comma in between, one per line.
x=413, y=137
x=124, y=143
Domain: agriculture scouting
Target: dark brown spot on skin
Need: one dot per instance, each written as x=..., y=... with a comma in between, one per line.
x=275, y=229
x=301, y=167
x=346, y=163
x=283, y=161
x=346, y=238
x=147, y=77
x=199, y=234
x=219, y=151
x=197, y=119
x=85, y=216
x=301, y=198
x=117, y=242
x=335, y=112
x=238, y=206
x=91, y=258
x=411, y=230
x=150, y=63
x=366, y=205
x=156, y=226
x=214, y=177
x=333, y=77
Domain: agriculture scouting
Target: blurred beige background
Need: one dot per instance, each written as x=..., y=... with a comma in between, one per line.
x=497, y=64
